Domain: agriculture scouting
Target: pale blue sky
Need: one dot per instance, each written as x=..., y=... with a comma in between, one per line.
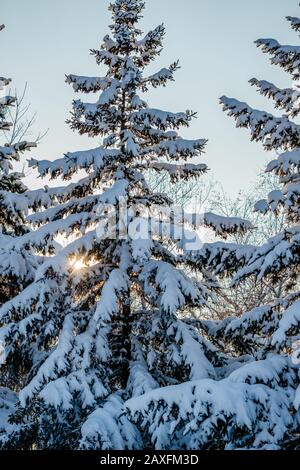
x=44, y=40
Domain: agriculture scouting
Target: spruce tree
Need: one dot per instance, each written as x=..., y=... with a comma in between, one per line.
x=15, y=268
x=12, y=218
x=17, y=264
x=103, y=328
x=274, y=329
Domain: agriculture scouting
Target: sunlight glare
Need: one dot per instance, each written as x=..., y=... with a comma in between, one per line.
x=78, y=265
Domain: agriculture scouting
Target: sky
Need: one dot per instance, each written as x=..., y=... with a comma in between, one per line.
x=213, y=39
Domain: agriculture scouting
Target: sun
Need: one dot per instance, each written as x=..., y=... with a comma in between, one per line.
x=78, y=265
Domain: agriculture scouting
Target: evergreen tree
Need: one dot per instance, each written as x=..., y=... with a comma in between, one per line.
x=274, y=329
x=17, y=265
x=12, y=216
x=110, y=359
x=95, y=336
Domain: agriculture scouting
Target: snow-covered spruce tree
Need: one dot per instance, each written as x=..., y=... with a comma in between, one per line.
x=257, y=404
x=102, y=321
x=16, y=266
x=274, y=329
x=12, y=217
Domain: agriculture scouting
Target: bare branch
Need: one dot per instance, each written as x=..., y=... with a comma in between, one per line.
x=22, y=120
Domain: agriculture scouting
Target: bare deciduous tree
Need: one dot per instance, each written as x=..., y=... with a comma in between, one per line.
x=193, y=192
x=253, y=292
x=266, y=226
x=22, y=119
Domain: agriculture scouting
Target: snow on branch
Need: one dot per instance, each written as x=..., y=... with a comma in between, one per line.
x=109, y=428
x=12, y=152
x=286, y=98
x=168, y=287
x=286, y=163
x=177, y=148
x=224, y=226
x=88, y=84
x=273, y=132
x=275, y=202
x=295, y=22
x=95, y=159
x=208, y=414
x=285, y=56
x=221, y=225
x=162, y=77
x=289, y=325
x=8, y=400
x=220, y=257
x=150, y=45
x=116, y=285
x=16, y=262
x=180, y=172
x=280, y=253
x=162, y=119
